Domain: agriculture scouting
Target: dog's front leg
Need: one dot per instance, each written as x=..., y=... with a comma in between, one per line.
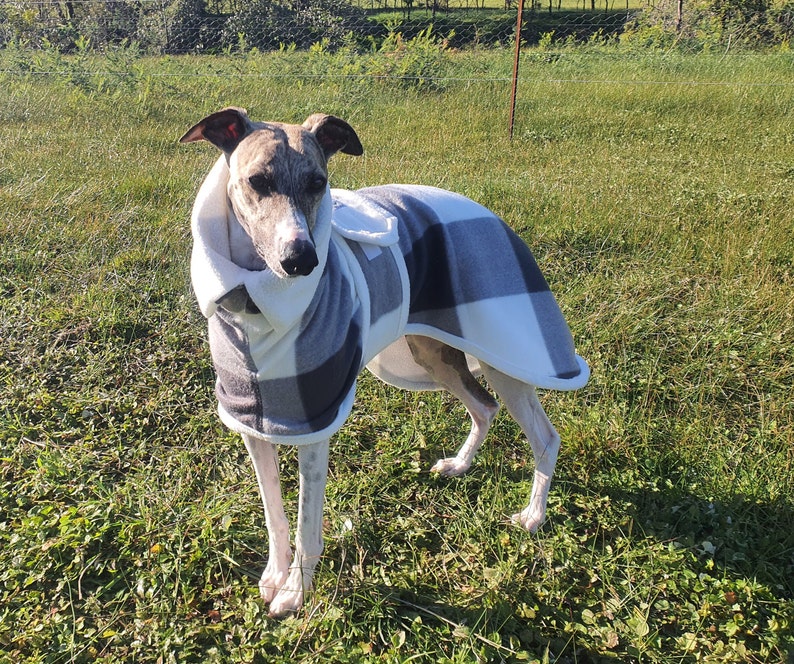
x=265, y=458
x=313, y=466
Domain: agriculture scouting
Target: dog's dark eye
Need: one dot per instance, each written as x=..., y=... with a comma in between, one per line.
x=261, y=183
x=316, y=184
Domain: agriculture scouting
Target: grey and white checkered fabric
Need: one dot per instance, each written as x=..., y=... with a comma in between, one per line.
x=394, y=260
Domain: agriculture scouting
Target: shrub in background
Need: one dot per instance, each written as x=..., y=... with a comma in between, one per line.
x=707, y=24
x=182, y=26
x=419, y=62
x=268, y=24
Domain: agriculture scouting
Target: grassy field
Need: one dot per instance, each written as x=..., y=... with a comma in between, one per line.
x=656, y=193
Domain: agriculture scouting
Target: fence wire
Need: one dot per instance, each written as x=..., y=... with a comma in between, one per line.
x=207, y=26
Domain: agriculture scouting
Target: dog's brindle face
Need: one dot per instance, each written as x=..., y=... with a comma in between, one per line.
x=278, y=178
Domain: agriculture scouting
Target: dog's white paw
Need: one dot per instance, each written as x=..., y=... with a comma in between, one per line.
x=534, y=514
x=273, y=579
x=289, y=598
x=529, y=519
x=286, y=603
x=450, y=467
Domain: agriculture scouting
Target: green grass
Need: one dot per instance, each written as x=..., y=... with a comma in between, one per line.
x=656, y=192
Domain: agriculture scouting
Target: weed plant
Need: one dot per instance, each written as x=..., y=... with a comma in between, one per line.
x=656, y=193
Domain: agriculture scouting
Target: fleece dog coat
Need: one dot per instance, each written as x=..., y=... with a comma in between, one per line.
x=393, y=260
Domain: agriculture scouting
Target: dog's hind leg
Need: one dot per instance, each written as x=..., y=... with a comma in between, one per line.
x=265, y=458
x=448, y=367
x=523, y=404
x=313, y=467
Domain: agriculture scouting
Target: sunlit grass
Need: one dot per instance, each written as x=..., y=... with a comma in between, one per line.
x=656, y=194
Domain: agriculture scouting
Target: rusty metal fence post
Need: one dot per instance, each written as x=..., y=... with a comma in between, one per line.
x=516, y=59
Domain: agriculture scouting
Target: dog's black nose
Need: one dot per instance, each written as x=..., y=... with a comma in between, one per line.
x=299, y=258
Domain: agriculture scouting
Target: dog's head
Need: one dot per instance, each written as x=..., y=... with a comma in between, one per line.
x=278, y=178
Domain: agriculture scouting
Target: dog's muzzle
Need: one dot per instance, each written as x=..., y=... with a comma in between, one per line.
x=299, y=258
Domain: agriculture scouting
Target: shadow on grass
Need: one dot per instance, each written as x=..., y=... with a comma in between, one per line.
x=742, y=537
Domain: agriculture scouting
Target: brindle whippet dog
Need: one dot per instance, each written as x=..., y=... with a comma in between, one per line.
x=277, y=180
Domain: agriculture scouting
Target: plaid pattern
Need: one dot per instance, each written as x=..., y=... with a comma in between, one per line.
x=300, y=389
x=457, y=273
x=476, y=286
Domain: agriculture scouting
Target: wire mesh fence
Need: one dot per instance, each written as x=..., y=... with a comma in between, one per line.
x=193, y=26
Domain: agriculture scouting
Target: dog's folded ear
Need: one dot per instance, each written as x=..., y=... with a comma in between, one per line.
x=333, y=134
x=224, y=129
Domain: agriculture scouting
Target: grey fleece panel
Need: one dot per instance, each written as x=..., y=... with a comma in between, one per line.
x=236, y=388
x=383, y=280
